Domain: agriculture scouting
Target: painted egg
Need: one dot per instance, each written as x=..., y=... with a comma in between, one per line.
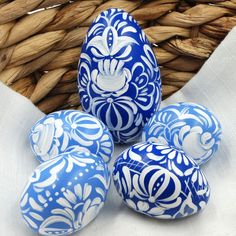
x=118, y=75
x=72, y=130
x=65, y=194
x=187, y=126
x=160, y=181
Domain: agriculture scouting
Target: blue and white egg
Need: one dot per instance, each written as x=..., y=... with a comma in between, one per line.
x=65, y=194
x=160, y=181
x=72, y=130
x=118, y=75
x=187, y=126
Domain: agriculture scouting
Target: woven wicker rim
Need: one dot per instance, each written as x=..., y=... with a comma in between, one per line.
x=39, y=51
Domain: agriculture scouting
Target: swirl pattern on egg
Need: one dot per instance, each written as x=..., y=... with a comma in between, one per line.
x=187, y=126
x=66, y=131
x=65, y=194
x=160, y=181
x=118, y=75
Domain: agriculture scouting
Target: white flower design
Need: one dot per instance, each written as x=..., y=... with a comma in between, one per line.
x=111, y=76
x=43, y=135
x=117, y=63
x=67, y=131
x=115, y=107
x=110, y=44
x=70, y=203
x=144, y=208
x=160, y=181
x=187, y=126
x=198, y=181
x=152, y=190
x=90, y=133
x=84, y=129
x=90, y=211
x=162, y=153
x=147, y=93
x=196, y=142
x=85, y=81
x=74, y=204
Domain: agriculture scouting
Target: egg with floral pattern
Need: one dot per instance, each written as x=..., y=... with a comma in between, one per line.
x=65, y=194
x=187, y=126
x=160, y=181
x=118, y=75
x=72, y=130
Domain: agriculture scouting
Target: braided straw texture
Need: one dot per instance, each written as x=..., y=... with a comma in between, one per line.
x=40, y=42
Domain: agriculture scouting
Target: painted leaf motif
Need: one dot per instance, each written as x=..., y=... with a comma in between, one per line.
x=78, y=191
x=63, y=202
x=162, y=182
x=72, y=200
x=187, y=126
x=36, y=216
x=59, y=131
x=109, y=73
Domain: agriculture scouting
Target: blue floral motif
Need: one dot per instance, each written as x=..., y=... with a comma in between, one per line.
x=118, y=75
x=66, y=131
x=65, y=194
x=187, y=126
x=160, y=181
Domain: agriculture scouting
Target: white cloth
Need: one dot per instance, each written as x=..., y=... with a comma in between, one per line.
x=214, y=86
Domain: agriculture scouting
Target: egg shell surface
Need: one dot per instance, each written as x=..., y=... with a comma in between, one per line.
x=65, y=194
x=160, y=181
x=118, y=75
x=187, y=126
x=71, y=130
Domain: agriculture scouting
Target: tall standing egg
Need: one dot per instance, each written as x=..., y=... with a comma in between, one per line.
x=118, y=75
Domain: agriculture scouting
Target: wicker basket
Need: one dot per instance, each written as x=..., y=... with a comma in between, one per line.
x=39, y=52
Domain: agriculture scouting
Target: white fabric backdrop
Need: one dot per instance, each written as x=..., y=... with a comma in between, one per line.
x=214, y=86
